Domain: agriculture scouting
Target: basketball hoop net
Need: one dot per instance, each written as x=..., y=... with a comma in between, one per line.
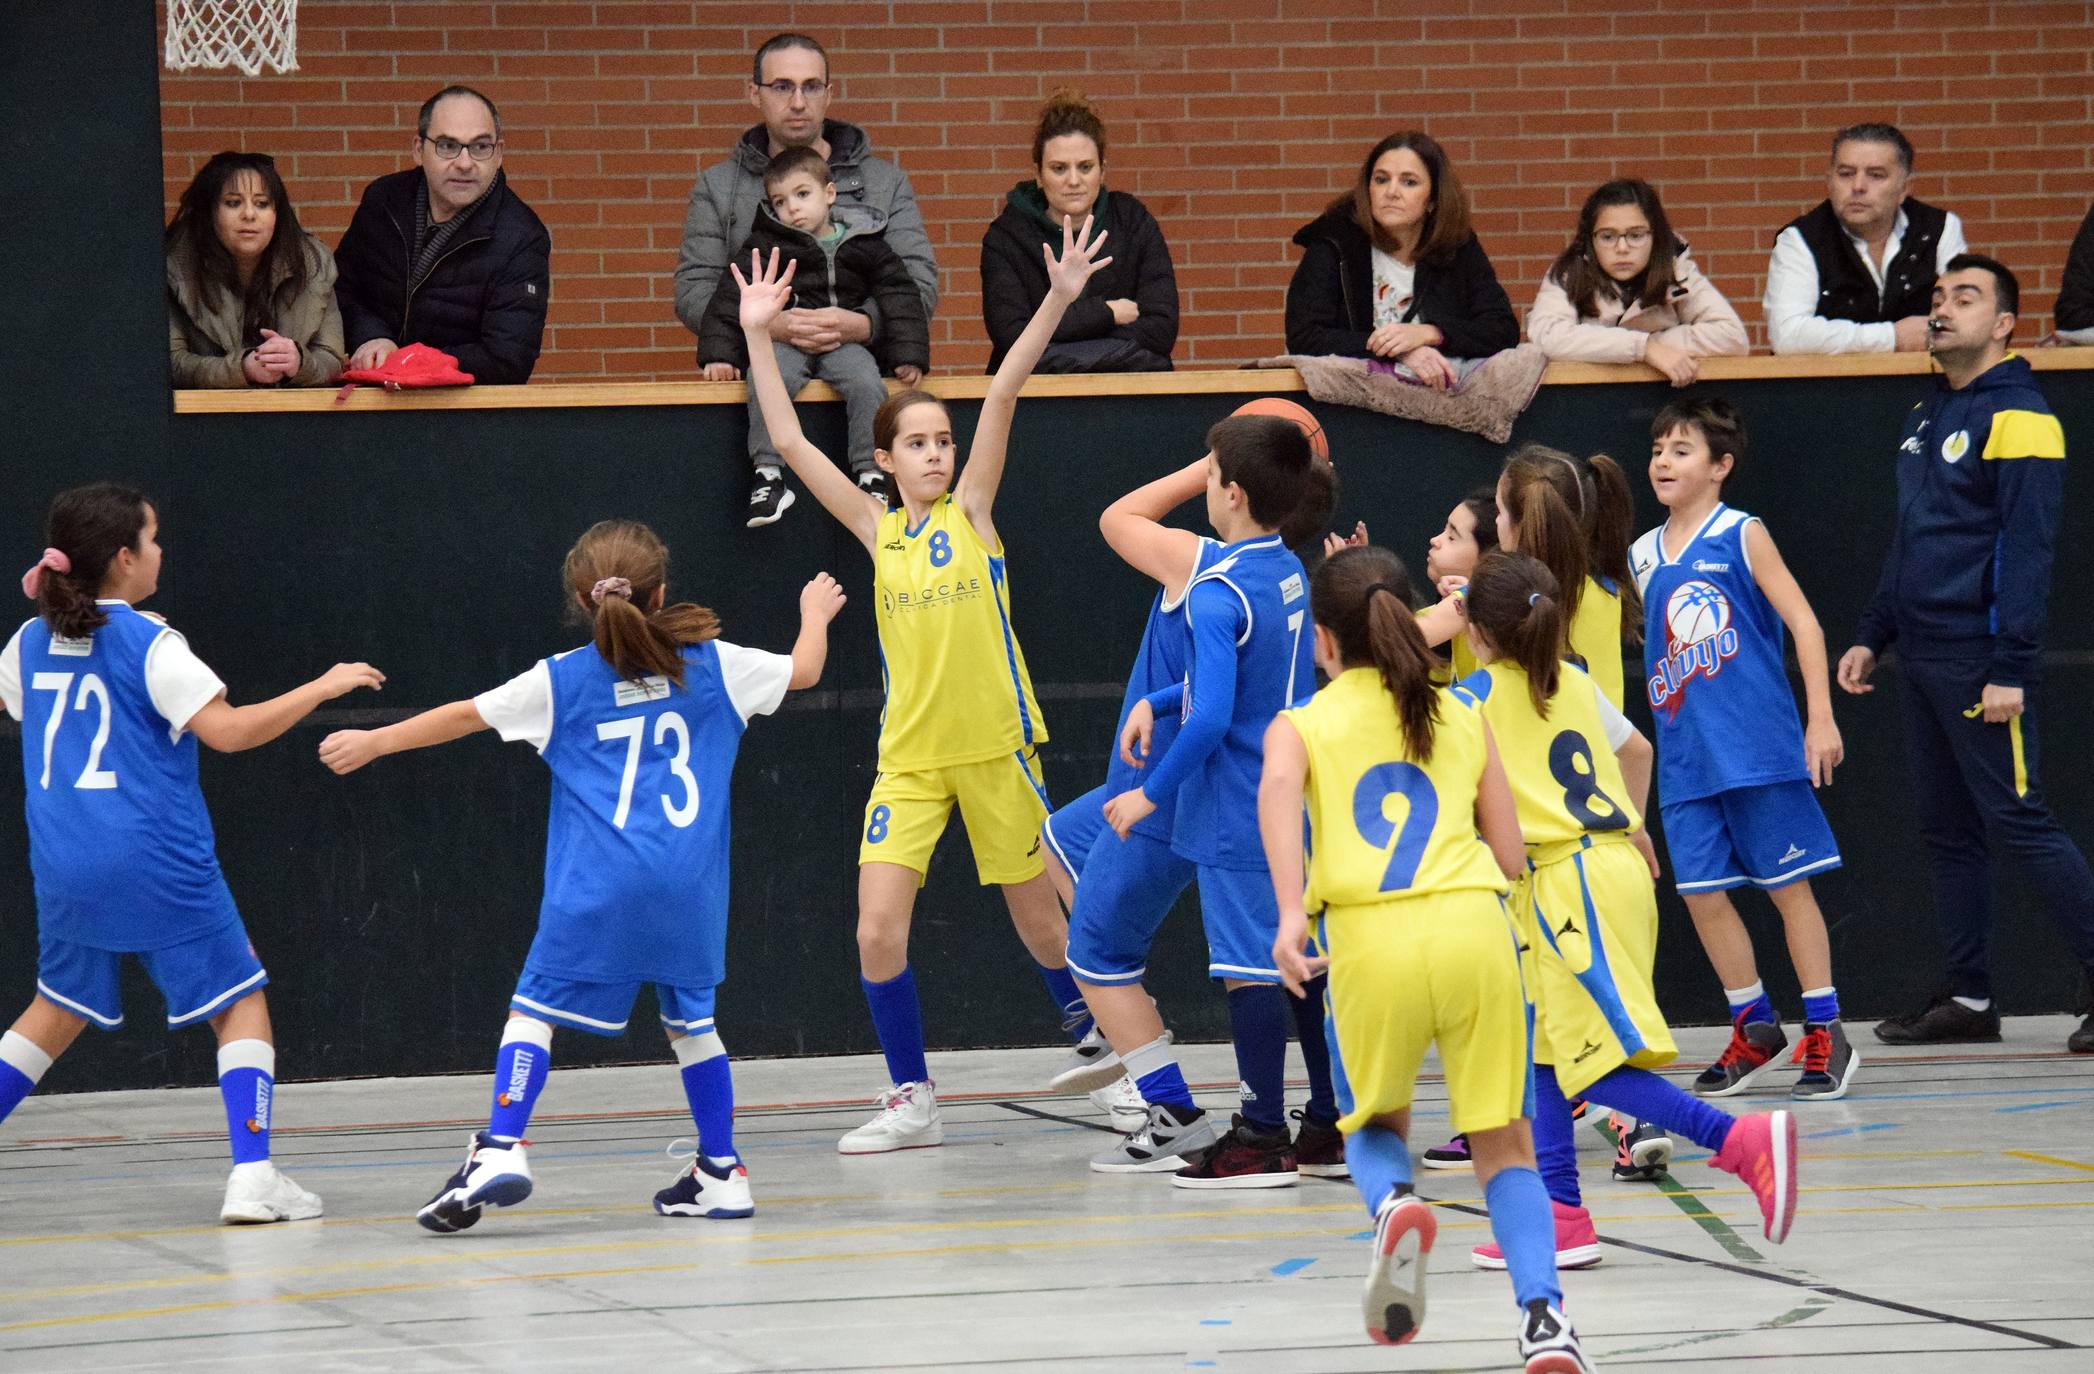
x=248, y=34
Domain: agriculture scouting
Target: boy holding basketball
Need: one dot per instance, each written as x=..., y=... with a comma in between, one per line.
x=1735, y=765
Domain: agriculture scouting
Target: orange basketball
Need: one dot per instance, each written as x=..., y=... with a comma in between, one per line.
x=1288, y=410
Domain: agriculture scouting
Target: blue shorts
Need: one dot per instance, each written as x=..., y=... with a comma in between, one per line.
x=1126, y=889
x=1073, y=831
x=199, y=978
x=1242, y=919
x=1767, y=836
x=604, y=1008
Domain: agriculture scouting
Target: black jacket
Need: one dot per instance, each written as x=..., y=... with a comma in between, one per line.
x=2075, y=308
x=1846, y=290
x=484, y=301
x=857, y=269
x=1014, y=276
x=1330, y=302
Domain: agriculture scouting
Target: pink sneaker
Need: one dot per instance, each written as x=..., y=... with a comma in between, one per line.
x=1577, y=1244
x=1761, y=1149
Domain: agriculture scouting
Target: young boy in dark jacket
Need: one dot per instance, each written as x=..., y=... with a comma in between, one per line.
x=843, y=261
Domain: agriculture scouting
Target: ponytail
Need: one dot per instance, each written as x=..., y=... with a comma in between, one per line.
x=1514, y=601
x=1363, y=597
x=613, y=572
x=86, y=528
x=1613, y=522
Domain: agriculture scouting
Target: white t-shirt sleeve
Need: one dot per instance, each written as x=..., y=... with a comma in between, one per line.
x=177, y=680
x=522, y=707
x=1951, y=243
x=1791, y=307
x=11, y=675
x=1612, y=720
x=756, y=680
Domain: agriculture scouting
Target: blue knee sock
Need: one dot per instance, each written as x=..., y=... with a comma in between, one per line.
x=1647, y=1097
x=1525, y=1230
x=1749, y=1004
x=22, y=1067
x=1061, y=986
x=1555, y=1152
x=1258, y=1024
x=1821, y=1005
x=1380, y=1160
x=898, y=1021
x=1315, y=1049
x=1155, y=1071
x=520, y=1066
x=708, y=1085
x=247, y=1082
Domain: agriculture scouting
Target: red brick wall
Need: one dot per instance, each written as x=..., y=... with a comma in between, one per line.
x=1235, y=120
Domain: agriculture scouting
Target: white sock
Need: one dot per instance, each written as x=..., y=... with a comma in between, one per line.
x=20, y=1053
x=1974, y=1003
x=769, y=473
x=1745, y=996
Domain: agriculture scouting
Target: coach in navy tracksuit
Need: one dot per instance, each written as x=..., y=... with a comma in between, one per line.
x=1964, y=594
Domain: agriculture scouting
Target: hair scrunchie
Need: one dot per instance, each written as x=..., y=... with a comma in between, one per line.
x=33, y=580
x=611, y=586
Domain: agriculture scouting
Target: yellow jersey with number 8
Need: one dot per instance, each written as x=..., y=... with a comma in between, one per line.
x=1382, y=824
x=957, y=688
x=1564, y=777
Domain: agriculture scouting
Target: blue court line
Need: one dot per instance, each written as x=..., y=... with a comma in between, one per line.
x=1286, y=1267
x=2039, y=1106
x=1871, y=1126
x=1361, y=1235
x=1216, y=1321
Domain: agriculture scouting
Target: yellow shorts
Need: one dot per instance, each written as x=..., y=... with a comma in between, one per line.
x=1594, y=935
x=1002, y=802
x=1407, y=972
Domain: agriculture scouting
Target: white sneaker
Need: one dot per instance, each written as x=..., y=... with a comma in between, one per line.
x=706, y=1189
x=1089, y=1066
x=1123, y=1102
x=258, y=1193
x=496, y=1173
x=908, y=1120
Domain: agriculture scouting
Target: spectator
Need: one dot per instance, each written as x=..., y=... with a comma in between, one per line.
x=1964, y=594
x=1127, y=318
x=446, y=254
x=1855, y=274
x=1625, y=291
x=2075, y=311
x=1392, y=271
x=840, y=258
x=250, y=295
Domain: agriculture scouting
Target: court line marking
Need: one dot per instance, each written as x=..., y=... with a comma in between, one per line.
x=2049, y=1159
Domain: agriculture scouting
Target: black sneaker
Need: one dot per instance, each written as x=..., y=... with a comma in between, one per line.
x=1547, y=1343
x=1319, y=1150
x=1453, y=1155
x=1246, y=1158
x=769, y=498
x=2081, y=1041
x=1943, y=1021
x=874, y=483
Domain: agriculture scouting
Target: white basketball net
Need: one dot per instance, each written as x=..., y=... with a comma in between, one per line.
x=248, y=34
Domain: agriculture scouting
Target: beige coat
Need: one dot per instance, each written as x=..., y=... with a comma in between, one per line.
x=1693, y=317
x=206, y=346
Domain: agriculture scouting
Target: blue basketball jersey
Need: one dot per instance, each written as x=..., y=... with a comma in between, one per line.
x=120, y=841
x=1718, y=689
x=1165, y=651
x=1258, y=586
x=636, y=855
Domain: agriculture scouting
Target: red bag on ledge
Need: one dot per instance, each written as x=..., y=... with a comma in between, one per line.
x=416, y=365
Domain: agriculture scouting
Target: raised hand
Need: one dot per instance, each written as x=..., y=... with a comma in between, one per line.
x=765, y=291
x=347, y=677
x=1079, y=259
x=821, y=599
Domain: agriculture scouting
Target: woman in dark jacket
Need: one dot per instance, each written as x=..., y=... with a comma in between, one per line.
x=1127, y=318
x=1391, y=270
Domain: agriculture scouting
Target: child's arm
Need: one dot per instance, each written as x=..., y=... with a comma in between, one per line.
x=1497, y=815
x=230, y=729
x=1636, y=757
x=976, y=490
x=345, y=751
x=820, y=600
x=764, y=294
x=1217, y=621
x=1444, y=621
x=1133, y=527
x=1822, y=748
x=1280, y=784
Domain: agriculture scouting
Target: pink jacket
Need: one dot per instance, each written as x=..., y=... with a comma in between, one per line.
x=1694, y=317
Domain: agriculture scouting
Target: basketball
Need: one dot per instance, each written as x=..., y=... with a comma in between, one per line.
x=1697, y=611
x=1288, y=410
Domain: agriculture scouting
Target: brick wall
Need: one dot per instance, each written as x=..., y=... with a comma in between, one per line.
x=1234, y=120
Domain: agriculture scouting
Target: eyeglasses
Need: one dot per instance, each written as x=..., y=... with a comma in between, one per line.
x=449, y=148
x=783, y=89
x=1635, y=238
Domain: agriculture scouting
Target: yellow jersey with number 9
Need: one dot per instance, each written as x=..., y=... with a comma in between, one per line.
x=957, y=688
x=1382, y=824
x=1565, y=779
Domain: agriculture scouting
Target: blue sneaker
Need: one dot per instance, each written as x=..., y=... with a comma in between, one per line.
x=495, y=1174
x=706, y=1189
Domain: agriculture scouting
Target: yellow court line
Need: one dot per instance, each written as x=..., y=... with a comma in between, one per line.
x=2033, y=1157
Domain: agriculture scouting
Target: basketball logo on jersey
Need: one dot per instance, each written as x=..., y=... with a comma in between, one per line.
x=1956, y=445
x=1699, y=638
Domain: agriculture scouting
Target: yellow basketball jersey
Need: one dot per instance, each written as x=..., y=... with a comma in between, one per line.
x=1595, y=636
x=1564, y=778
x=957, y=688
x=1461, y=660
x=1382, y=825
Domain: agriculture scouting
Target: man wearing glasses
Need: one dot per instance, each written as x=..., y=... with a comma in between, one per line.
x=790, y=87
x=446, y=254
